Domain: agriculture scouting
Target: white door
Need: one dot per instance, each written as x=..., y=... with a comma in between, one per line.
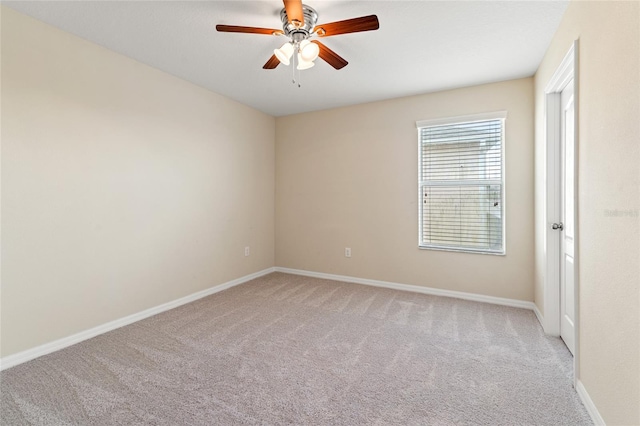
x=567, y=214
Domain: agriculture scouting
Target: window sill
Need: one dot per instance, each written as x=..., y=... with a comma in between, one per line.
x=470, y=251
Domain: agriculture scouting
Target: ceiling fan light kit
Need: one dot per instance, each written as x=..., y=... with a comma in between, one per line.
x=303, y=64
x=299, y=25
x=309, y=51
x=284, y=53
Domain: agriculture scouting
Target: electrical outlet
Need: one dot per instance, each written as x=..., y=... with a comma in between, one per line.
x=347, y=252
x=247, y=251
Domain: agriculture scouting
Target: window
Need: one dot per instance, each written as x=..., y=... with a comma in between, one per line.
x=461, y=181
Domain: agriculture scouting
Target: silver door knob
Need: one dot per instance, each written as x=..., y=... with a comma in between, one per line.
x=559, y=226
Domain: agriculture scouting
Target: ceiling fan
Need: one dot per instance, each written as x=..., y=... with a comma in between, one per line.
x=299, y=26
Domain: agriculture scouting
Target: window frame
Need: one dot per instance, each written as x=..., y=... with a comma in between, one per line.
x=497, y=115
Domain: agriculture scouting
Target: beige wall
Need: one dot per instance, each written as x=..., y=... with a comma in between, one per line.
x=348, y=178
x=609, y=180
x=123, y=187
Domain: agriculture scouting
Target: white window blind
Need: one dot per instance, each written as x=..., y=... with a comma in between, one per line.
x=462, y=185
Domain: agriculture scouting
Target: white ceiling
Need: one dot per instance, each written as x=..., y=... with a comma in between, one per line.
x=421, y=46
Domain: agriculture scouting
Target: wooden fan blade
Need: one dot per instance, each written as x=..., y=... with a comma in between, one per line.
x=247, y=30
x=271, y=63
x=355, y=25
x=294, y=11
x=331, y=57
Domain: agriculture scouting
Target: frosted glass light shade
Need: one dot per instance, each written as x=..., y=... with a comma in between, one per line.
x=284, y=53
x=302, y=64
x=309, y=51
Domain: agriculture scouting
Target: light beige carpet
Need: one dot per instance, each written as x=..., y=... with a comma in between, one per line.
x=285, y=349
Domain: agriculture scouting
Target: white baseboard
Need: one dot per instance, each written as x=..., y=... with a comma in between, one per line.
x=47, y=348
x=589, y=405
x=415, y=288
x=538, y=315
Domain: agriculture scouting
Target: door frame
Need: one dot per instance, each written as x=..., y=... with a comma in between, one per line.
x=567, y=70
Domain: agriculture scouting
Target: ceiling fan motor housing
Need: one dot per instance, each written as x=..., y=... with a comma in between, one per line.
x=296, y=30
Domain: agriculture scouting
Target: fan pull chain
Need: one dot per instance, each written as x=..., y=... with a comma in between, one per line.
x=294, y=66
x=293, y=69
x=296, y=62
